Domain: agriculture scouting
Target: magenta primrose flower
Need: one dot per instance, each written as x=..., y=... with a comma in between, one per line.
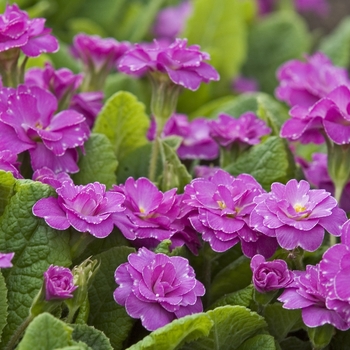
x=309, y=293
x=319, y=6
x=171, y=21
x=196, y=143
x=246, y=130
x=242, y=85
x=5, y=260
x=149, y=213
x=47, y=176
x=29, y=35
x=98, y=53
x=184, y=65
x=304, y=83
x=296, y=215
x=88, y=208
x=224, y=204
x=51, y=139
x=270, y=275
x=157, y=288
x=58, y=283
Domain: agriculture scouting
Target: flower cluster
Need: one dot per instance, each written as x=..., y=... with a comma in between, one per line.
x=157, y=288
x=184, y=65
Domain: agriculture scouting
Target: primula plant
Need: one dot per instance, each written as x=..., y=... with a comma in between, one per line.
x=173, y=175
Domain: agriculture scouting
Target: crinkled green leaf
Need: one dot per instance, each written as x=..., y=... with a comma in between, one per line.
x=176, y=333
x=94, y=338
x=233, y=277
x=7, y=183
x=274, y=40
x=105, y=314
x=232, y=326
x=241, y=297
x=337, y=44
x=3, y=303
x=280, y=321
x=124, y=122
x=174, y=173
x=99, y=162
x=270, y=161
x=293, y=343
x=259, y=342
x=36, y=246
x=46, y=332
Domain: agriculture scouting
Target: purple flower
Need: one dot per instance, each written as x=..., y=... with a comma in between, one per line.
x=241, y=85
x=171, y=21
x=196, y=143
x=58, y=283
x=296, y=215
x=246, y=130
x=319, y=6
x=47, y=176
x=304, y=83
x=157, y=288
x=62, y=83
x=88, y=208
x=18, y=31
x=270, y=275
x=5, y=260
x=185, y=66
x=205, y=171
x=8, y=162
x=224, y=204
x=150, y=214
x=309, y=293
x=266, y=6
x=29, y=112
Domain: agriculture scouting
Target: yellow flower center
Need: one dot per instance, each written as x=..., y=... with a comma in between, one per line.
x=221, y=204
x=299, y=208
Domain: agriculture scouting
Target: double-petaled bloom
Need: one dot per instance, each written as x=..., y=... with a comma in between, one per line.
x=297, y=216
x=157, y=288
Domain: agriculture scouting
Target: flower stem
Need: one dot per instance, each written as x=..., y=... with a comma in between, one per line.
x=18, y=334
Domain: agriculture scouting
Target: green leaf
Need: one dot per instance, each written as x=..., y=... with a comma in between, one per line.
x=241, y=297
x=270, y=161
x=321, y=336
x=36, y=246
x=280, y=321
x=292, y=343
x=337, y=44
x=175, y=174
x=274, y=40
x=99, y=162
x=176, y=333
x=105, y=314
x=259, y=342
x=124, y=122
x=211, y=108
x=7, y=183
x=238, y=271
x=46, y=332
x=3, y=303
x=94, y=338
x=224, y=32
x=232, y=326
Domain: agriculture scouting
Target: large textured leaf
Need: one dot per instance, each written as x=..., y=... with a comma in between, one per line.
x=99, y=162
x=268, y=162
x=46, y=332
x=241, y=297
x=337, y=44
x=3, y=303
x=105, y=314
x=176, y=333
x=232, y=326
x=124, y=122
x=36, y=246
x=259, y=342
x=273, y=41
x=94, y=338
x=7, y=183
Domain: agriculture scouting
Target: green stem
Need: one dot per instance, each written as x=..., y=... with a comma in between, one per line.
x=18, y=334
x=154, y=160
